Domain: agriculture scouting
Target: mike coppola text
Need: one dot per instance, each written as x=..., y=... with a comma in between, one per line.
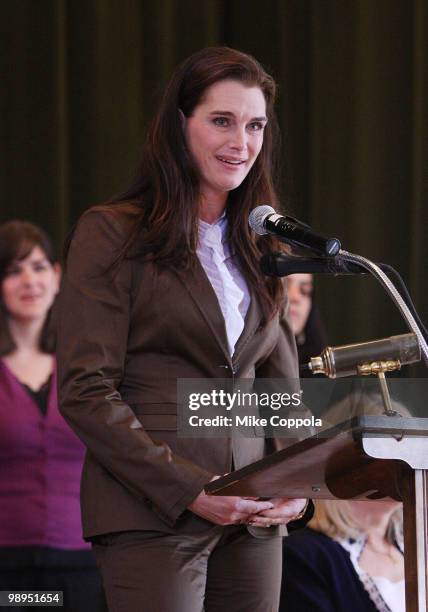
x=217, y=411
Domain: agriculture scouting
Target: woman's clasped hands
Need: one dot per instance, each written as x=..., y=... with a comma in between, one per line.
x=234, y=510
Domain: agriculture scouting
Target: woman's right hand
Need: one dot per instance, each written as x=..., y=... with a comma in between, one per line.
x=227, y=510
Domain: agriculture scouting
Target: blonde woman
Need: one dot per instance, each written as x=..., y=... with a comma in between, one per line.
x=349, y=557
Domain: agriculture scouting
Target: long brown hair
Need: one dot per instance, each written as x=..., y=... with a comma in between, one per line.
x=167, y=186
x=17, y=240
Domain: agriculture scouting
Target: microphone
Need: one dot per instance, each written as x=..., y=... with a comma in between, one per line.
x=360, y=359
x=264, y=220
x=280, y=264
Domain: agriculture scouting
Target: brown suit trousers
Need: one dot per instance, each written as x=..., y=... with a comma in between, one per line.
x=222, y=569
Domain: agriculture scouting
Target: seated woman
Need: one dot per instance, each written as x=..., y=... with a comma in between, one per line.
x=41, y=546
x=350, y=557
x=305, y=319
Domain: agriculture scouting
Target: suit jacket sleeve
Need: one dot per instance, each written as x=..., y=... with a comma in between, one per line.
x=283, y=361
x=95, y=318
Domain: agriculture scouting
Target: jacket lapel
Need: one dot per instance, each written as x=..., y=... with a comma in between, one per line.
x=202, y=293
x=252, y=322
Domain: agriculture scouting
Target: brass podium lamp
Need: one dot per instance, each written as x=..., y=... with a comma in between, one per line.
x=369, y=358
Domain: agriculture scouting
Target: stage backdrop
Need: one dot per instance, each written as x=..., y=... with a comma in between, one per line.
x=80, y=78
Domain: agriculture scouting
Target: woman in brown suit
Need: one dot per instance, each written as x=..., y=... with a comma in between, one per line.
x=164, y=283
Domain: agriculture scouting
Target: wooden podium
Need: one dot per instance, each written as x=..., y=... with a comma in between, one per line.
x=369, y=457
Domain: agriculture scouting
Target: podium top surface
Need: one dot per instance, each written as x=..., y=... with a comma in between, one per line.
x=309, y=467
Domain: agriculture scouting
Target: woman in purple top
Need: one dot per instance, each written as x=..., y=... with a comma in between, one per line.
x=41, y=546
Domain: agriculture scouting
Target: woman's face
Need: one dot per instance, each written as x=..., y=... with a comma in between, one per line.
x=29, y=286
x=299, y=289
x=224, y=135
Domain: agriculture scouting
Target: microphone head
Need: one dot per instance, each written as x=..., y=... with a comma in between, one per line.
x=257, y=217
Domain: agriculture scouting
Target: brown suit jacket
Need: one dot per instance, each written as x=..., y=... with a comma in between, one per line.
x=125, y=336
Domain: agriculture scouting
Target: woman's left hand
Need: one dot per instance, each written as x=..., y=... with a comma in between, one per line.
x=284, y=511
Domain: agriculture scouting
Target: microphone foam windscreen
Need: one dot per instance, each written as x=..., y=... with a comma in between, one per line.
x=257, y=218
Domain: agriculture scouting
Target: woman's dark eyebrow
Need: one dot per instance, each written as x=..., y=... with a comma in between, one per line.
x=230, y=114
x=41, y=260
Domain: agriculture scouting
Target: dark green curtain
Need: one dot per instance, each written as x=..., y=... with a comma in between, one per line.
x=80, y=79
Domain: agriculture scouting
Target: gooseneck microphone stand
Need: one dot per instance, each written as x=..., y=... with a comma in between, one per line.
x=386, y=283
